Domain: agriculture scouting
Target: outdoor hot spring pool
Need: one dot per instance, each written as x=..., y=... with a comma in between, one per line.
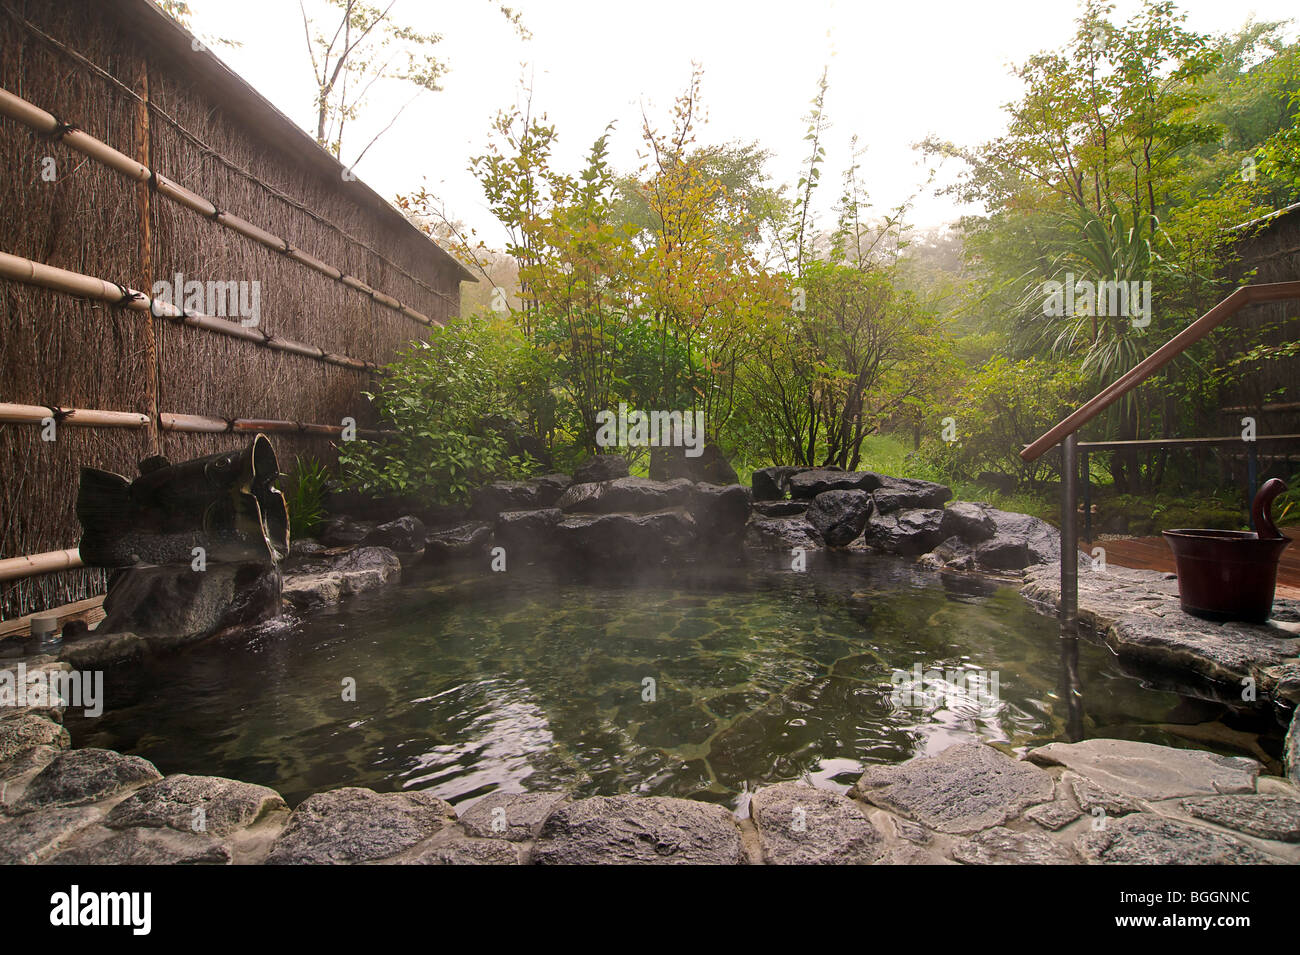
x=535, y=681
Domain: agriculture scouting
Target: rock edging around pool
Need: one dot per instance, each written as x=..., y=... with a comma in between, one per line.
x=1095, y=802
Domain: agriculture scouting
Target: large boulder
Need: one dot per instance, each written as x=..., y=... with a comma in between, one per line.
x=208, y=804
x=491, y=499
x=601, y=467
x=83, y=776
x=528, y=534
x=404, y=535
x=720, y=511
x=808, y=484
x=343, y=531
x=1042, y=540
x=772, y=484
x=781, y=533
x=896, y=494
x=840, y=516
x=800, y=825
x=610, y=540
x=320, y=581
x=550, y=487
x=351, y=825
x=969, y=522
x=458, y=542
x=634, y=494
x=905, y=533
x=710, y=466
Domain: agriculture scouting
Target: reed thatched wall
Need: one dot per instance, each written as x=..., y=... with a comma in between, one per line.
x=57, y=349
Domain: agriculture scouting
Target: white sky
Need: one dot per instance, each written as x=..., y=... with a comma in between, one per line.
x=898, y=71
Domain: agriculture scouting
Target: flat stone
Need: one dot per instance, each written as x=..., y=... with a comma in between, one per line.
x=907, y=532
x=100, y=649
x=515, y=817
x=147, y=847
x=963, y=790
x=781, y=533
x=1148, y=771
x=807, y=484
x=1291, y=749
x=82, y=776
x=459, y=850
x=26, y=732
x=319, y=582
x=628, y=494
x=350, y=825
x=655, y=830
x=31, y=838
x=895, y=494
x=601, y=467
x=1092, y=797
x=208, y=804
x=1267, y=816
x=999, y=846
x=1147, y=839
x=802, y=825
x=1053, y=815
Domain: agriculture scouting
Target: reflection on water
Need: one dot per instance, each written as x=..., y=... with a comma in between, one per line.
x=531, y=681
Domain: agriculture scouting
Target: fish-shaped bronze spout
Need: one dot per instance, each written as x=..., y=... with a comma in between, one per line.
x=228, y=504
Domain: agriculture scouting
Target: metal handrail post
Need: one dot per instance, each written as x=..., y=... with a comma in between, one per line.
x=1086, y=463
x=1069, y=536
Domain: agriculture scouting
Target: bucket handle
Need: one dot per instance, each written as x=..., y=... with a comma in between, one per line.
x=1260, y=509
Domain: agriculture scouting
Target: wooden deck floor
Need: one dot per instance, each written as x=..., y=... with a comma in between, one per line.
x=1152, y=553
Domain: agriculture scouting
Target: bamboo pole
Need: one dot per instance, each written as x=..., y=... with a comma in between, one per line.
x=144, y=212
x=80, y=417
x=34, y=565
x=19, y=269
x=38, y=120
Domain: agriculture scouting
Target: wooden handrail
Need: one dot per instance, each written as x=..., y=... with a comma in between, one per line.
x=1193, y=333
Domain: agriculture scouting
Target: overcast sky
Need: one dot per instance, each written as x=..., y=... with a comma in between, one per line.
x=898, y=71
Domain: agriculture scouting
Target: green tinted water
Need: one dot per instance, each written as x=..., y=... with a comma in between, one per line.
x=531, y=681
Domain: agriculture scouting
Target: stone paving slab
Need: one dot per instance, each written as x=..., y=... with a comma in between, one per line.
x=800, y=825
x=964, y=789
x=646, y=830
x=352, y=825
x=1147, y=771
x=1148, y=839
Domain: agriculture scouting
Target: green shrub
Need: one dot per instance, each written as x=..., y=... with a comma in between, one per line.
x=306, y=497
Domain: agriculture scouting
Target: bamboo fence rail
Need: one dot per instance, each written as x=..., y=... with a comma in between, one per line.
x=19, y=269
x=168, y=421
x=47, y=125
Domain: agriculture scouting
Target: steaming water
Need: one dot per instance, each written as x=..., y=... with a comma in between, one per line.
x=535, y=681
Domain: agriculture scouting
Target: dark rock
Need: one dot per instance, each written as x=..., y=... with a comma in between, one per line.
x=324, y=581
x=1042, y=539
x=306, y=547
x=953, y=554
x=840, y=516
x=905, y=532
x=644, y=830
x=1147, y=839
x=343, y=531
x=601, y=467
x=805, y=485
x=963, y=790
x=75, y=630
x=634, y=494
x=491, y=499
x=772, y=484
x=800, y=825
x=459, y=542
x=1000, y=846
x=516, y=817
x=528, y=534
x=609, y=540
x=226, y=805
x=550, y=487
x=103, y=648
x=710, y=466
x=406, y=535
x=781, y=533
x=781, y=508
x=353, y=825
x=896, y=494
x=82, y=776
x=1003, y=553
x=720, y=512
x=969, y=522
x=1006, y=483
x=170, y=606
